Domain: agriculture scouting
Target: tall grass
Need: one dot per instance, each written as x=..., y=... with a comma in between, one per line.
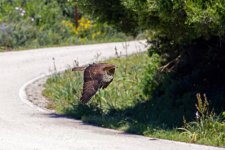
x=208, y=127
x=123, y=92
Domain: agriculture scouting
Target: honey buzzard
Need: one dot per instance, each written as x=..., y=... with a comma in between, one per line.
x=96, y=76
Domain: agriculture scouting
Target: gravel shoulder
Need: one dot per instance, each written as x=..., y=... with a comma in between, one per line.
x=34, y=94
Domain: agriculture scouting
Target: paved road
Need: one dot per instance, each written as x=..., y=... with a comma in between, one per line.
x=25, y=128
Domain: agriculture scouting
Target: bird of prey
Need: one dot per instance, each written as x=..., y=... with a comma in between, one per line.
x=96, y=76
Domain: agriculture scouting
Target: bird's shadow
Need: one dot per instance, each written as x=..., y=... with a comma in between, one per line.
x=90, y=127
x=91, y=117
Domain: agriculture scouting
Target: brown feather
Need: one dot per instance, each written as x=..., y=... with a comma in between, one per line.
x=78, y=68
x=96, y=76
x=89, y=90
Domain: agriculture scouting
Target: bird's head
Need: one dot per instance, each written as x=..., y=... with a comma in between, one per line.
x=109, y=69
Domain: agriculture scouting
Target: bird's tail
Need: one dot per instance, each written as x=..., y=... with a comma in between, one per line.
x=78, y=68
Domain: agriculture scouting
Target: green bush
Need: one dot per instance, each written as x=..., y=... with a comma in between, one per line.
x=113, y=12
x=25, y=23
x=189, y=36
x=36, y=23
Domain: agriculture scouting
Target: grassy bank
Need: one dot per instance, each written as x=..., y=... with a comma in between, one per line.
x=124, y=105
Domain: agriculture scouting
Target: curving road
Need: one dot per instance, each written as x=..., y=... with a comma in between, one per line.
x=25, y=128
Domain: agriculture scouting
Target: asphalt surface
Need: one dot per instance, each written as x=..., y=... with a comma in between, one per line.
x=23, y=127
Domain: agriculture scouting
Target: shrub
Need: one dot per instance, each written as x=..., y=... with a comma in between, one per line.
x=37, y=23
x=189, y=36
x=28, y=22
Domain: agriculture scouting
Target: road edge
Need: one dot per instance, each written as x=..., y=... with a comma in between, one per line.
x=23, y=94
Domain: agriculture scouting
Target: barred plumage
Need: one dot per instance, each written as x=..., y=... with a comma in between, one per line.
x=96, y=76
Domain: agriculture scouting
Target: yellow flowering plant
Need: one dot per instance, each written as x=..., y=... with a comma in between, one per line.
x=84, y=24
x=88, y=30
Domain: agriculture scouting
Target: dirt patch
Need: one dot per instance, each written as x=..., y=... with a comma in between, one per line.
x=34, y=94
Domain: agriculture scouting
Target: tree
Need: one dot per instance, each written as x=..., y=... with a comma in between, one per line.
x=189, y=35
x=179, y=21
x=113, y=12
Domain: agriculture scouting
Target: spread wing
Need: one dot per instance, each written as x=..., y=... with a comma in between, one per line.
x=89, y=90
x=93, y=80
x=93, y=72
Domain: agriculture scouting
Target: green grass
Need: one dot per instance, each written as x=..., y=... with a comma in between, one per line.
x=124, y=106
x=66, y=88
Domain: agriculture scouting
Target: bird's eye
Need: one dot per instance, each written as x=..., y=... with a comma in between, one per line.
x=111, y=71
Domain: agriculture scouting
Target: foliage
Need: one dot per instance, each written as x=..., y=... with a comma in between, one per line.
x=36, y=23
x=179, y=21
x=30, y=22
x=173, y=27
x=172, y=95
x=92, y=31
x=113, y=12
x=189, y=36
